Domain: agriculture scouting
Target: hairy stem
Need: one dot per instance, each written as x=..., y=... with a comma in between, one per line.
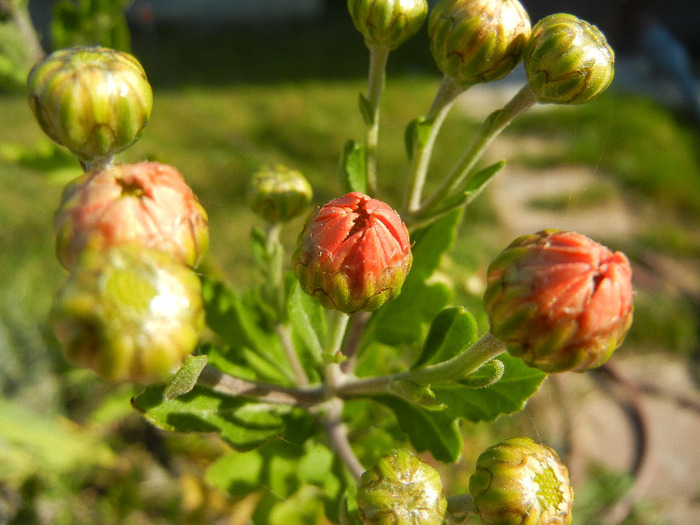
x=337, y=432
x=378, y=56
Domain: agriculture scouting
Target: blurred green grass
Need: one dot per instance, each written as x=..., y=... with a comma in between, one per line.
x=227, y=102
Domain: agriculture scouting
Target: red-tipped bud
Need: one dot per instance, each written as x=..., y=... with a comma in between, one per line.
x=145, y=203
x=353, y=254
x=559, y=300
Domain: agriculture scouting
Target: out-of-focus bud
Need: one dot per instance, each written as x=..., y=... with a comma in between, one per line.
x=129, y=314
x=401, y=490
x=145, y=203
x=94, y=101
x=388, y=23
x=559, y=300
x=278, y=194
x=475, y=41
x=568, y=60
x=520, y=482
x=353, y=254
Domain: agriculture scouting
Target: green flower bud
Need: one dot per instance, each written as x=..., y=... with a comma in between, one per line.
x=388, y=23
x=475, y=41
x=353, y=254
x=92, y=100
x=129, y=314
x=559, y=300
x=401, y=490
x=278, y=194
x=520, y=482
x=568, y=60
x=147, y=203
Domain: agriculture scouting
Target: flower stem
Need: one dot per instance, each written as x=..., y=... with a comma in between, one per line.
x=378, y=57
x=494, y=124
x=478, y=354
x=422, y=153
x=337, y=433
x=460, y=505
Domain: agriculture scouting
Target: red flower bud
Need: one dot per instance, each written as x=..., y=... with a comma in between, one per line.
x=353, y=254
x=145, y=203
x=559, y=300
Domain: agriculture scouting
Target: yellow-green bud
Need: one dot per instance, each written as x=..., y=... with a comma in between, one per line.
x=475, y=41
x=401, y=490
x=520, y=482
x=278, y=194
x=94, y=101
x=388, y=23
x=129, y=314
x=568, y=60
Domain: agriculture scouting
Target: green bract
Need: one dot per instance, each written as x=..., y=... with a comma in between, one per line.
x=129, y=314
x=278, y=194
x=400, y=489
x=520, y=482
x=568, y=60
x=475, y=41
x=388, y=23
x=94, y=101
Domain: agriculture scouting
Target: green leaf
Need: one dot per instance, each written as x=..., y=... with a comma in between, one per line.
x=415, y=393
x=309, y=321
x=451, y=331
x=237, y=473
x=485, y=376
x=438, y=431
x=352, y=170
x=367, y=109
x=243, y=424
x=186, y=377
x=404, y=320
x=416, y=135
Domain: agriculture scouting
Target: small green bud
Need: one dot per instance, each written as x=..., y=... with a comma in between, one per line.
x=278, y=194
x=129, y=314
x=559, y=300
x=146, y=203
x=353, y=254
x=568, y=60
x=388, y=23
x=401, y=490
x=94, y=101
x=520, y=482
x=475, y=41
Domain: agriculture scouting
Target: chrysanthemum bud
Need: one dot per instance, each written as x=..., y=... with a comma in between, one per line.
x=520, y=482
x=278, y=194
x=388, y=23
x=145, y=203
x=559, y=300
x=475, y=41
x=94, y=101
x=353, y=254
x=401, y=490
x=568, y=60
x=129, y=314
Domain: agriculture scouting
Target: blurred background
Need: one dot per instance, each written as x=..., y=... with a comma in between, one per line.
x=242, y=83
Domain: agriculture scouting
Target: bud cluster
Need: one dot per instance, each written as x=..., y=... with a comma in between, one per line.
x=129, y=234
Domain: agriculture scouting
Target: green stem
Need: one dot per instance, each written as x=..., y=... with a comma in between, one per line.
x=331, y=416
x=422, y=153
x=460, y=505
x=337, y=324
x=97, y=164
x=478, y=354
x=275, y=273
x=378, y=57
x=494, y=124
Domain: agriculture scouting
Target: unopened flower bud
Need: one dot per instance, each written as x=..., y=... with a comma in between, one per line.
x=353, y=254
x=559, y=300
x=129, y=314
x=94, y=101
x=568, y=60
x=401, y=490
x=147, y=203
x=520, y=482
x=475, y=41
x=278, y=194
x=388, y=23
